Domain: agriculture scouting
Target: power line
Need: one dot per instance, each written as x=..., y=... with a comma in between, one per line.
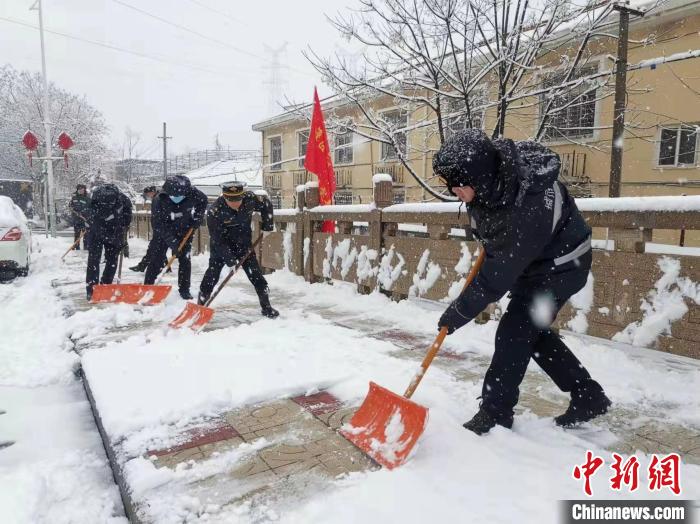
x=113, y=47
x=127, y=51
x=197, y=33
x=226, y=15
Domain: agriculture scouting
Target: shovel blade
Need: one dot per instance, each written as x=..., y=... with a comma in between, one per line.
x=145, y=295
x=193, y=316
x=386, y=426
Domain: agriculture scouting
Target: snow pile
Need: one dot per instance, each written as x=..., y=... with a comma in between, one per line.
x=327, y=267
x=421, y=284
x=311, y=184
x=288, y=248
x=346, y=208
x=300, y=188
x=11, y=215
x=462, y=268
x=432, y=207
x=387, y=273
x=345, y=255
x=364, y=264
x=306, y=250
x=665, y=305
x=651, y=203
x=29, y=355
x=381, y=177
x=582, y=302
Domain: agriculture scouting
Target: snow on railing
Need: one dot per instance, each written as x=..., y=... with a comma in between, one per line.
x=640, y=204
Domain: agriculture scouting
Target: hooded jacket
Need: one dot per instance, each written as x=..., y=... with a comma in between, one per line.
x=230, y=229
x=526, y=220
x=109, y=214
x=79, y=205
x=171, y=221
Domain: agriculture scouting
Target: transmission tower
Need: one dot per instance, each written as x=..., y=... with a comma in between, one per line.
x=277, y=79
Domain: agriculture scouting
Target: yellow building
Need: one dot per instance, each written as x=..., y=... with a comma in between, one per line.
x=661, y=144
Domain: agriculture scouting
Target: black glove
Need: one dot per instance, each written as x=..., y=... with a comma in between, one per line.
x=452, y=319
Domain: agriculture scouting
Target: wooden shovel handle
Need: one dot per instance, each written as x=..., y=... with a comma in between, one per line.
x=443, y=333
x=82, y=234
x=175, y=255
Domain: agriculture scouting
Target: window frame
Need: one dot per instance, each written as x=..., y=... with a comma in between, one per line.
x=384, y=146
x=344, y=148
x=678, y=128
x=302, y=157
x=275, y=166
x=599, y=65
x=450, y=129
x=344, y=193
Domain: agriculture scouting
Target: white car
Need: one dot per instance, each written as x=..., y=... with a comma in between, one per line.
x=15, y=240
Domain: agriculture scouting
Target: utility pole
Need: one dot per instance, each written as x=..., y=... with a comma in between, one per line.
x=618, y=134
x=48, y=158
x=165, y=138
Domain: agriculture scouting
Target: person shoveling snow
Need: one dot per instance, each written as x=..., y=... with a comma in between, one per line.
x=538, y=247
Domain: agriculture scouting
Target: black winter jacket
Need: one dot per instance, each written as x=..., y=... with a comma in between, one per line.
x=171, y=221
x=531, y=229
x=230, y=230
x=79, y=205
x=109, y=215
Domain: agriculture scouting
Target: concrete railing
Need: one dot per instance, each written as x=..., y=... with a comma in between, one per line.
x=424, y=250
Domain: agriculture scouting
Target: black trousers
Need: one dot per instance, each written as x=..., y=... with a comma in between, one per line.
x=525, y=332
x=78, y=228
x=149, y=254
x=252, y=271
x=111, y=249
x=158, y=260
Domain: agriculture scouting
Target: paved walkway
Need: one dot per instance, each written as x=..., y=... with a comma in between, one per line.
x=305, y=447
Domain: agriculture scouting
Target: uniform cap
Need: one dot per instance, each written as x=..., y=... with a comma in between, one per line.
x=233, y=190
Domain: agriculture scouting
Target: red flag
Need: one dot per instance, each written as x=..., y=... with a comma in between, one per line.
x=318, y=160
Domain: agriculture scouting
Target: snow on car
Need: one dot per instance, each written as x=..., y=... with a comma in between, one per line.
x=15, y=240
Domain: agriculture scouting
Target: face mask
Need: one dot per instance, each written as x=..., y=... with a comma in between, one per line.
x=177, y=199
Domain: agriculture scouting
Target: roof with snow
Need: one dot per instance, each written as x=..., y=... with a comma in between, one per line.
x=245, y=169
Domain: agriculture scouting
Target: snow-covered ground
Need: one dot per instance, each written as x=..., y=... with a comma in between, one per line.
x=150, y=381
x=56, y=470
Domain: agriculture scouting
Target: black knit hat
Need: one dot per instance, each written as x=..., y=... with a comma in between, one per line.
x=178, y=185
x=80, y=186
x=149, y=189
x=468, y=158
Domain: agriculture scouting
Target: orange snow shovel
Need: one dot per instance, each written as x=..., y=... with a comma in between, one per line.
x=387, y=426
x=143, y=294
x=195, y=316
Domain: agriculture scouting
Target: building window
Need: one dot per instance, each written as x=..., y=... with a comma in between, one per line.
x=399, y=197
x=343, y=148
x=455, y=114
x=572, y=111
x=303, y=141
x=276, y=200
x=276, y=153
x=343, y=197
x=395, y=120
x=678, y=146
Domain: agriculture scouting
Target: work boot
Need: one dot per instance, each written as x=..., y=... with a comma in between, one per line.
x=185, y=294
x=587, y=402
x=202, y=299
x=270, y=312
x=88, y=293
x=483, y=422
x=140, y=268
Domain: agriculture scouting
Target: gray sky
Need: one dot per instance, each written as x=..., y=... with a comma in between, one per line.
x=200, y=87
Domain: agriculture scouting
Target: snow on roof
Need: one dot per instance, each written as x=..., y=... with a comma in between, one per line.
x=11, y=215
x=245, y=169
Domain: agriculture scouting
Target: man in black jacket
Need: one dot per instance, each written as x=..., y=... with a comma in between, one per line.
x=149, y=193
x=79, y=204
x=229, y=222
x=178, y=207
x=538, y=247
x=108, y=216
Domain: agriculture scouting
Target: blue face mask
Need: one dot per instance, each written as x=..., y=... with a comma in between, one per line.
x=177, y=199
